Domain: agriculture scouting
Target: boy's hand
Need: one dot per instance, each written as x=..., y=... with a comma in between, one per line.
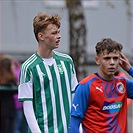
x=124, y=62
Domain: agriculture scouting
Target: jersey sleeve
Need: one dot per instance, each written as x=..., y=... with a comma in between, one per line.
x=74, y=124
x=130, y=72
x=25, y=91
x=74, y=81
x=129, y=85
x=81, y=100
x=30, y=117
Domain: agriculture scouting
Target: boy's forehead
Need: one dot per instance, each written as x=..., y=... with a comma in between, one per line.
x=106, y=52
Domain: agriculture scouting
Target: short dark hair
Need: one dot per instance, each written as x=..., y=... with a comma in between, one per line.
x=109, y=45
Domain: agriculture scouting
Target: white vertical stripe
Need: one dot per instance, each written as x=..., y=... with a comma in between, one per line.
x=61, y=97
x=67, y=84
x=43, y=99
x=53, y=98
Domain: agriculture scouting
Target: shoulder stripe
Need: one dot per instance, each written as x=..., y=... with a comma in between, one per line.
x=27, y=61
x=25, y=66
x=62, y=54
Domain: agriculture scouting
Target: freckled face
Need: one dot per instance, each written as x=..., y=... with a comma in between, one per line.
x=108, y=63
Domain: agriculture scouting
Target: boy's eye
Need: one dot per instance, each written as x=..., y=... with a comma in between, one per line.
x=115, y=58
x=55, y=32
x=106, y=58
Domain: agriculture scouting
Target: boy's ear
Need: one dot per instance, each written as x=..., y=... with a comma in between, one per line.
x=97, y=60
x=40, y=36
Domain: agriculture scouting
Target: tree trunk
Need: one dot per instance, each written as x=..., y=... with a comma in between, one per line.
x=77, y=36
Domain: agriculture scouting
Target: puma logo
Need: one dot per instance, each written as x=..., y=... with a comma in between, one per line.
x=75, y=106
x=100, y=89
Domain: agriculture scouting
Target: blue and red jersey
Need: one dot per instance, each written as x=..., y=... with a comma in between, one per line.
x=101, y=104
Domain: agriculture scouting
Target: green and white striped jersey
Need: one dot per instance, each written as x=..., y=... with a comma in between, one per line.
x=50, y=87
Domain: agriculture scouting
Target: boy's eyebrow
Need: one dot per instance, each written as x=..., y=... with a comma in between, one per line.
x=110, y=56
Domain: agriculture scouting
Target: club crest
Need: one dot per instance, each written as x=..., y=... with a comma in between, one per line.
x=120, y=87
x=60, y=68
